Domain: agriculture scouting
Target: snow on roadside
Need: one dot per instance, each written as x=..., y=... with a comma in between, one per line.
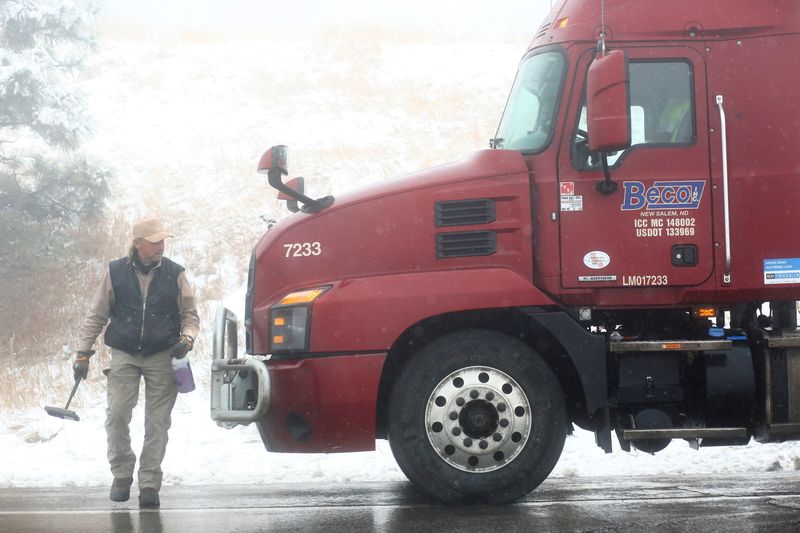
x=49, y=452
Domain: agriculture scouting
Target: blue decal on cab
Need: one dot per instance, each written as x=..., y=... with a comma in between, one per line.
x=662, y=195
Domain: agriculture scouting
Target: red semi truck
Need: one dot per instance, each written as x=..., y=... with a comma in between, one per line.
x=621, y=259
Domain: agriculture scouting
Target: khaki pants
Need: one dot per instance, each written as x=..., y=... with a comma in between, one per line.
x=160, y=391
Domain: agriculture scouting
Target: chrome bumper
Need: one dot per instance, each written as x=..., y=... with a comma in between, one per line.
x=240, y=388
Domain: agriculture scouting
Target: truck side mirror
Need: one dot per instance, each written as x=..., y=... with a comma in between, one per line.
x=297, y=184
x=608, y=103
x=274, y=164
x=274, y=161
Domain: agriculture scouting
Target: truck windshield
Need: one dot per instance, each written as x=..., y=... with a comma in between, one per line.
x=528, y=119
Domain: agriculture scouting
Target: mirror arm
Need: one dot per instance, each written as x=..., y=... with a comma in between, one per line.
x=292, y=206
x=309, y=204
x=607, y=186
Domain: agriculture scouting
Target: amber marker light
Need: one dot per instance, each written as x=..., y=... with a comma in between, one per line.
x=279, y=321
x=704, y=312
x=302, y=297
x=671, y=346
x=561, y=24
x=277, y=339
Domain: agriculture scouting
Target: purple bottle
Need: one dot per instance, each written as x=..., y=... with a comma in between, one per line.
x=182, y=371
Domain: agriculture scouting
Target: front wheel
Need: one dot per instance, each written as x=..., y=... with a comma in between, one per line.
x=477, y=416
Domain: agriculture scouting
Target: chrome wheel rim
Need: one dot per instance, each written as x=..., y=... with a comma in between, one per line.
x=478, y=419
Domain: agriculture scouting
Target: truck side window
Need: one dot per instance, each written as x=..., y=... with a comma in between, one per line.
x=662, y=111
x=529, y=117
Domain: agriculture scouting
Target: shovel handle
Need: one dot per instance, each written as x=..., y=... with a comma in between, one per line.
x=71, y=394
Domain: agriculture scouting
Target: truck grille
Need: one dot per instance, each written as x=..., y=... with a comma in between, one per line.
x=465, y=244
x=465, y=212
x=248, y=303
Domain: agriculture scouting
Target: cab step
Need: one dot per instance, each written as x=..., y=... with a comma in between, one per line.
x=670, y=345
x=787, y=339
x=684, y=433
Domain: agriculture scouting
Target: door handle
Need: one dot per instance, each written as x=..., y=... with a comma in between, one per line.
x=726, y=276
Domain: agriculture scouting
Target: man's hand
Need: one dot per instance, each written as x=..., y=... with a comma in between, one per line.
x=182, y=347
x=81, y=364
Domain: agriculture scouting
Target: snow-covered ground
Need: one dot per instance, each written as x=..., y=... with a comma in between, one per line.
x=42, y=451
x=182, y=124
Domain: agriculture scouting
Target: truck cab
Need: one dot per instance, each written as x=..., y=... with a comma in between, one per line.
x=618, y=260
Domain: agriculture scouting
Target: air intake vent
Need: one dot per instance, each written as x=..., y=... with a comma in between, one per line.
x=464, y=212
x=542, y=30
x=465, y=244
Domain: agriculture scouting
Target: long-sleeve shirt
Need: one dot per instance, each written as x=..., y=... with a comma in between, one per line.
x=103, y=301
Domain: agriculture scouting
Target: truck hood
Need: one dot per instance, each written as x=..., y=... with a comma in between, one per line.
x=482, y=164
x=391, y=227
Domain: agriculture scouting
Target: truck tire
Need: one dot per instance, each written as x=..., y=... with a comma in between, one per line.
x=477, y=416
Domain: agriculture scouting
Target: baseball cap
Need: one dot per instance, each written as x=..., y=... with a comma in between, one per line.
x=151, y=230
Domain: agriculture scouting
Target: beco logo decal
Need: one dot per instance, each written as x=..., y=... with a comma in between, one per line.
x=662, y=195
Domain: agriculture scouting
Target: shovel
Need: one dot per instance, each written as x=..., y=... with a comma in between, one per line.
x=65, y=413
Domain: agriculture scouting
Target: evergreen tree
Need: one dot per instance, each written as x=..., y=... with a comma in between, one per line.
x=46, y=186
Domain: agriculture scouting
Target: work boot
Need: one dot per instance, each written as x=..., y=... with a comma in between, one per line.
x=148, y=497
x=120, y=489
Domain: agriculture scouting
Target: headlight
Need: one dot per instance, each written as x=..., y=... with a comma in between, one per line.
x=290, y=321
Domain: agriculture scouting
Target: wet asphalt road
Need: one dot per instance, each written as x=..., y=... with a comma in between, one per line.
x=765, y=502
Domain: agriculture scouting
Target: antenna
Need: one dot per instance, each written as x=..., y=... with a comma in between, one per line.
x=601, y=44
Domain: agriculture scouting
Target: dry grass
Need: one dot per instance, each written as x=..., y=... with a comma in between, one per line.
x=42, y=312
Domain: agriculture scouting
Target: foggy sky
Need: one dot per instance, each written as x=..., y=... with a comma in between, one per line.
x=281, y=17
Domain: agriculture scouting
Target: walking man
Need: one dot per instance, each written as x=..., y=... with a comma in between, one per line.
x=148, y=305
